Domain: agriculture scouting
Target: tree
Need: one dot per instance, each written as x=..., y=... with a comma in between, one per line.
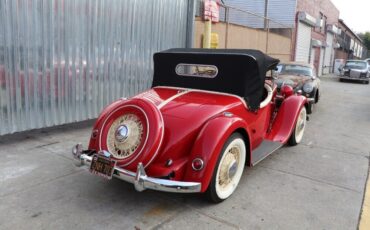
x=366, y=39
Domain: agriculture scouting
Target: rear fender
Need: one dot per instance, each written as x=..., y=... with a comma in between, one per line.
x=208, y=146
x=286, y=118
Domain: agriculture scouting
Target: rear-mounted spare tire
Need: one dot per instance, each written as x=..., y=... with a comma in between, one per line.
x=132, y=132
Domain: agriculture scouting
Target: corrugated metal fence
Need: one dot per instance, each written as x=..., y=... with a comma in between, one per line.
x=63, y=60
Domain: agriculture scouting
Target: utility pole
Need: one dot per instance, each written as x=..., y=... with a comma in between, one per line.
x=266, y=12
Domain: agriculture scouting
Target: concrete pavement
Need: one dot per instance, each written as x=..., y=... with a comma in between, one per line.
x=318, y=184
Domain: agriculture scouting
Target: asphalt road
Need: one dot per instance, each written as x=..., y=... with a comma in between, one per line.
x=316, y=185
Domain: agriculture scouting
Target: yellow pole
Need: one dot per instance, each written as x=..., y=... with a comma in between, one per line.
x=207, y=34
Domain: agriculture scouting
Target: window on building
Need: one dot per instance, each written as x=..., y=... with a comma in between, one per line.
x=323, y=20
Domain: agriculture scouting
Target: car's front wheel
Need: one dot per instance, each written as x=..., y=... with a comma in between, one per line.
x=228, y=170
x=298, y=131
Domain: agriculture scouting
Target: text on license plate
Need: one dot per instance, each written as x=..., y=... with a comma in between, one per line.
x=102, y=166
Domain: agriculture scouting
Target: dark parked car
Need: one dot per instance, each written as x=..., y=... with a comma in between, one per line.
x=302, y=77
x=355, y=70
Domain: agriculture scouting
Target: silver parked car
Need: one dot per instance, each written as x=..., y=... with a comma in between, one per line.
x=356, y=70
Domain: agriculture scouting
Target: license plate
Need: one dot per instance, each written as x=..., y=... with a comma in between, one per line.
x=102, y=166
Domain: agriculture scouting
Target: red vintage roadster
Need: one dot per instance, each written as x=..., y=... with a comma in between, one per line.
x=208, y=114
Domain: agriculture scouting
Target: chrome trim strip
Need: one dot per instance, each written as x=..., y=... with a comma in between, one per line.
x=204, y=91
x=141, y=181
x=165, y=102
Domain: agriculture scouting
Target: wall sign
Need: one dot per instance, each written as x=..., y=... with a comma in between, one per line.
x=211, y=11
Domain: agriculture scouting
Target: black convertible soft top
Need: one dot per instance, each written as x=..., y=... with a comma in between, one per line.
x=239, y=71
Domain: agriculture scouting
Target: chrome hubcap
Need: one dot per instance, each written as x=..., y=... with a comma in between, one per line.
x=122, y=133
x=232, y=169
x=229, y=167
x=125, y=136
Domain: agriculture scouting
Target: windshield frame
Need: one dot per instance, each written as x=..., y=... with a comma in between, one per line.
x=282, y=70
x=358, y=67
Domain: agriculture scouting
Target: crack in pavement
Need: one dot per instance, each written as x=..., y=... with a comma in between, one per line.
x=313, y=179
x=47, y=144
x=333, y=149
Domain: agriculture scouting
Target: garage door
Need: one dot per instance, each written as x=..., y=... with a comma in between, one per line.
x=303, y=46
x=328, y=54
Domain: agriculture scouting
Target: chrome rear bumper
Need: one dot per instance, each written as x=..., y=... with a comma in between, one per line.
x=139, y=178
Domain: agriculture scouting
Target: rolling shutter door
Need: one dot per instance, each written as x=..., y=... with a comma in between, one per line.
x=303, y=46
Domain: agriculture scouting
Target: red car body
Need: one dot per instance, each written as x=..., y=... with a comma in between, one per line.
x=187, y=128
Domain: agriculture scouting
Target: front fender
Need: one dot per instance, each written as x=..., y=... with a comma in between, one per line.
x=208, y=146
x=286, y=118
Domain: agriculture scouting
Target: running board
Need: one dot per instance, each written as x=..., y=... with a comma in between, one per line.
x=266, y=148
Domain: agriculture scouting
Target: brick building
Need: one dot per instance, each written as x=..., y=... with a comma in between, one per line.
x=315, y=36
x=314, y=23
x=350, y=45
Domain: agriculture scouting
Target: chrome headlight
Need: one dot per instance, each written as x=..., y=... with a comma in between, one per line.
x=308, y=87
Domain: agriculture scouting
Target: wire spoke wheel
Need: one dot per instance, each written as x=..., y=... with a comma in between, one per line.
x=123, y=147
x=229, y=169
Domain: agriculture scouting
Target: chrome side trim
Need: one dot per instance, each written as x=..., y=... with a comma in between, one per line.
x=140, y=180
x=168, y=100
x=204, y=91
x=263, y=150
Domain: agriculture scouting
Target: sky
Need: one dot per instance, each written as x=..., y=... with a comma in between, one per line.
x=355, y=13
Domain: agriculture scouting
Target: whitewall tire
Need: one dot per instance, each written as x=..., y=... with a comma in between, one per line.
x=300, y=125
x=228, y=170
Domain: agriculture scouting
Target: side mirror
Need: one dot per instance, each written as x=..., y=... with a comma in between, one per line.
x=313, y=77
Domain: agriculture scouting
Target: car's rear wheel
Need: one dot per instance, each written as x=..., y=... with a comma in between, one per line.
x=228, y=170
x=300, y=125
